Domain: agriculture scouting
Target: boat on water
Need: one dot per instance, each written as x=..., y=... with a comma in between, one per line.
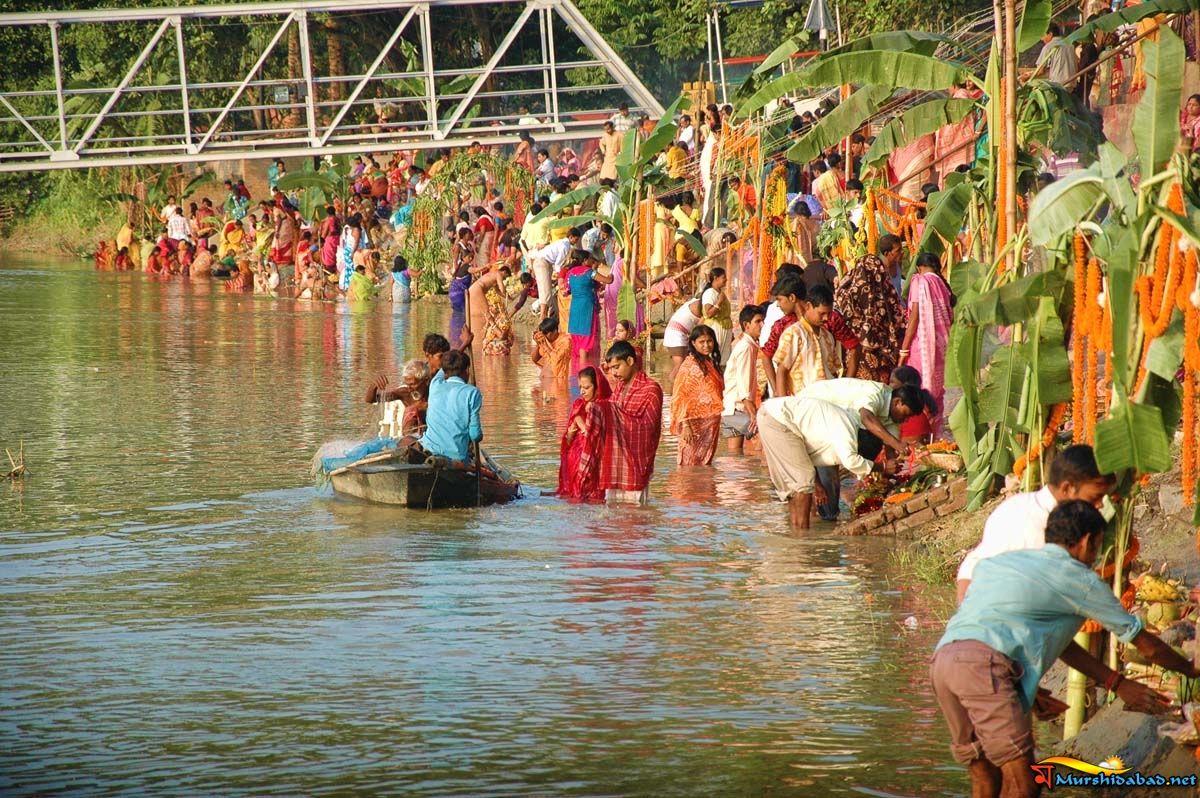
x=431, y=483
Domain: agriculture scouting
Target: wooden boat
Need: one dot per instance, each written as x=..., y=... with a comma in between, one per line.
x=389, y=478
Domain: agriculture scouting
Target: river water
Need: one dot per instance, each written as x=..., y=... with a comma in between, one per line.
x=184, y=613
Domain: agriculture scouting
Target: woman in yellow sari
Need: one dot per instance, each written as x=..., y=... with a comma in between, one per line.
x=232, y=238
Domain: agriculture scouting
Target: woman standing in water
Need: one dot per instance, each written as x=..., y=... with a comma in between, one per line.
x=582, y=447
x=697, y=399
x=717, y=312
x=460, y=269
x=583, y=322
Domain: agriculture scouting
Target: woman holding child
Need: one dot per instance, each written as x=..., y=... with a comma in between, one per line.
x=697, y=399
x=581, y=448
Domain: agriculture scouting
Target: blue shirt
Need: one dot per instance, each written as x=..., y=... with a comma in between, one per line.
x=1029, y=604
x=452, y=420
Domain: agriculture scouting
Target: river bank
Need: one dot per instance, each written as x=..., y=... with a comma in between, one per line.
x=1168, y=541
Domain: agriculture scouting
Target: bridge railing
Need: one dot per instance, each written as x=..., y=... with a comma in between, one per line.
x=172, y=100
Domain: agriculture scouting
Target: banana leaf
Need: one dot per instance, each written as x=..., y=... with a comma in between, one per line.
x=190, y=187
x=1156, y=117
x=307, y=179
x=904, y=41
x=568, y=200
x=311, y=201
x=1128, y=16
x=1122, y=271
x=885, y=68
x=1004, y=384
x=779, y=87
x=967, y=279
x=888, y=68
x=1011, y=303
x=1166, y=351
x=947, y=211
x=909, y=126
x=839, y=123
x=1047, y=353
x=1166, y=395
x=778, y=56
x=1035, y=21
x=1132, y=437
x=962, y=355
x=1058, y=208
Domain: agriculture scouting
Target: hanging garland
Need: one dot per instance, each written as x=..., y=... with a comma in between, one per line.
x=1057, y=415
x=1187, y=299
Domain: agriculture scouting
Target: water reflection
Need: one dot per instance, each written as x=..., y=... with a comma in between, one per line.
x=185, y=615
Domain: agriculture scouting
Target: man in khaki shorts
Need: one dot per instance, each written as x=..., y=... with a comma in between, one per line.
x=798, y=434
x=1021, y=613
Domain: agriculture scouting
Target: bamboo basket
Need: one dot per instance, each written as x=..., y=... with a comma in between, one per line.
x=950, y=461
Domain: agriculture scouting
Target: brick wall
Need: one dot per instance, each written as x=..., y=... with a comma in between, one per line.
x=907, y=519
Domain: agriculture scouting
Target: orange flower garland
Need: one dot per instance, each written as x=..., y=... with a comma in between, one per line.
x=1191, y=374
x=1035, y=450
x=1077, y=336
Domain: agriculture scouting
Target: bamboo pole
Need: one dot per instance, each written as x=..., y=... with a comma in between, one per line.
x=1009, y=189
x=1077, y=689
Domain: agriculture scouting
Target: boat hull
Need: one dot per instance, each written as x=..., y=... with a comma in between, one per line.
x=421, y=486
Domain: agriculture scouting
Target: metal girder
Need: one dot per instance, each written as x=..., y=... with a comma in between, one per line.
x=187, y=113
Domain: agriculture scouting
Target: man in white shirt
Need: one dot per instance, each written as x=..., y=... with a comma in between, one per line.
x=1058, y=58
x=178, y=228
x=879, y=408
x=609, y=203
x=535, y=234
x=527, y=119
x=622, y=120
x=545, y=263
x=168, y=210
x=800, y=434
x=1019, y=522
x=687, y=134
x=742, y=387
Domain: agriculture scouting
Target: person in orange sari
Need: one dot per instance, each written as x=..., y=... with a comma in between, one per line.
x=582, y=448
x=552, y=354
x=697, y=399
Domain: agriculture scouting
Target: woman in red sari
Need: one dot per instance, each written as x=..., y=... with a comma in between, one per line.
x=697, y=399
x=582, y=448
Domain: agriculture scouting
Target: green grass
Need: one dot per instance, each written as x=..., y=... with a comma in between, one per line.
x=70, y=220
x=934, y=559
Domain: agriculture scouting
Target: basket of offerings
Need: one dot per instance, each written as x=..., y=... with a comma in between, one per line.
x=942, y=455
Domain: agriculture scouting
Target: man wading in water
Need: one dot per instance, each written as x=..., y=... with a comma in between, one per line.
x=635, y=428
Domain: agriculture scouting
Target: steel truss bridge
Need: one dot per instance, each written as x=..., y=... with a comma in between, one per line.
x=274, y=99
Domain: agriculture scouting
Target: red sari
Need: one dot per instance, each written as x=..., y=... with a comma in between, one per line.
x=580, y=456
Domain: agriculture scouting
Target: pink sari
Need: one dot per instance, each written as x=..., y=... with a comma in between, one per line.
x=927, y=292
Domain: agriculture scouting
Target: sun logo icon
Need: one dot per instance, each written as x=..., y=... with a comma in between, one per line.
x=1113, y=764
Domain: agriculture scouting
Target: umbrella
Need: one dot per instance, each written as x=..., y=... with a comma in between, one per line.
x=819, y=20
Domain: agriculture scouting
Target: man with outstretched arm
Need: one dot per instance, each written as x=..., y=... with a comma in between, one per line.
x=1021, y=613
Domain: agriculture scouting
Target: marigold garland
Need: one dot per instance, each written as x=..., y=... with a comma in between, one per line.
x=1057, y=414
x=1077, y=354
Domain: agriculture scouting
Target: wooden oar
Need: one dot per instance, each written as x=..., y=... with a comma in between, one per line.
x=471, y=380
x=374, y=458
